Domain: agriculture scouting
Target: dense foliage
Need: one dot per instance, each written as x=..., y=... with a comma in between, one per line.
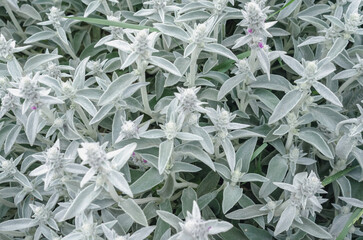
x=181, y=119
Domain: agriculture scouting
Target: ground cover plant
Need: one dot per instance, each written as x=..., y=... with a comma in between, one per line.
x=181, y=119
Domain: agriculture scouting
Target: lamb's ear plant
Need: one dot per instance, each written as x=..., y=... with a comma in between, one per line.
x=181, y=120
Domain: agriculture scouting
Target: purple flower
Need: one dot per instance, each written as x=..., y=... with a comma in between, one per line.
x=250, y=30
x=34, y=107
x=145, y=161
x=260, y=44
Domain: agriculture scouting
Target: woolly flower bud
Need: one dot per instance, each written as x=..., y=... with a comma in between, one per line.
x=159, y=4
x=254, y=16
x=188, y=98
x=55, y=16
x=141, y=45
x=53, y=70
x=352, y=22
x=292, y=119
x=311, y=69
x=89, y=229
x=28, y=88
x=129, y=129
x=294, y=154
x=93, y=154
x=6, y=47
x=41, y=213
x=242, y=66
x=219, y=5
x=8, y=101
x=95, y=66
x=68, y=89
x=170, y=130
x=58, y=122
x=310, y=185
x=195, y=228
x=8, y=167
x=199, y=33
x=224, y=118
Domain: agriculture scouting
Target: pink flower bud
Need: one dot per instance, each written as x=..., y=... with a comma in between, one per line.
x=260, y=44
x=250, y=30
x=145, y=161
x=34, y=107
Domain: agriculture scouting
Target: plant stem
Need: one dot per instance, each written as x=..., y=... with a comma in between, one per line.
x=145, y=100
x=193, y=67
x=85, y=120
x=290, y=137
x=129, y=5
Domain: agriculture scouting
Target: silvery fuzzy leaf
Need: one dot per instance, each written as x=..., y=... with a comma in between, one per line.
x=253, y=177
x=318, y=23
x=247, y=212
x=86, y=104
x=117, y=179
x=122, y=155
x=345, y=186
x=101, y=114
x=276, y=171
x=173, y=31
x=189, y=196
x=278, y=32
x=231, y=195
x=196, y=152
x=14, y=69
x=312, y=40
x=79, y=74
x=80, y=203
x=253, y=232
x=39, y=36
x=189, y=49
x=314, y=10
x=276, y=82
x=345, y=74
x=229, y=85
x=316, y=140
x=17, y=224
x=188, y=136
x=116, y=88
x=327, y=116
x=165, y=64
x=244, y=154
x=170, y=218
x=218, y=226
x=206, y=143
x=130, y=207
x=91, y=7
x=293, y=64
x=153, y=133
x=327, y=93
x=184, y=167
x=165, y=151
x=39, y=59
x=220, y=49
x=338, y=46
x=264, y=61
x=142, y=233
x=62, y=36
x=223, y=170
x=312, y=228
x=30, y=11
x=285, y=12
x=11, y=138
x=121, y=45
x=192, y=16
x=287, y=103
x=31, y=128
x=148, y=180
x=266, y=97
x=286, y=220
x=230, y=153
x=353, y=201
x=282, y=130
x=335, y=21
x=344, y=147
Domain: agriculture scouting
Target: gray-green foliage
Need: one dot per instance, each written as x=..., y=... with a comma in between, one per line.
x=181, y=119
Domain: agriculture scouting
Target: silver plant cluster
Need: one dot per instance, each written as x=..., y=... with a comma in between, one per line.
x=181, y=120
